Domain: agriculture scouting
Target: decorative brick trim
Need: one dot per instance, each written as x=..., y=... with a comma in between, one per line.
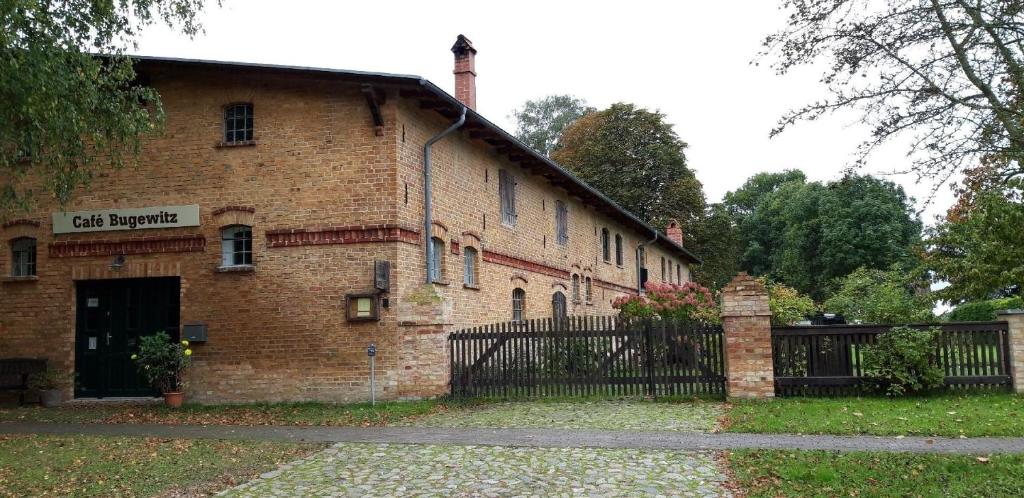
x=12, y=223
x=613, y=286
x=471, y=233
x=244, y=209
x=360, y=234
x=146, y=245
x=522, y=264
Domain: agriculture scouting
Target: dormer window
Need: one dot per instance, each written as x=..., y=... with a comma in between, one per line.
x=238, y=123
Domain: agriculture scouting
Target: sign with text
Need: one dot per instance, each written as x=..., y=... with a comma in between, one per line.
x=105, y=220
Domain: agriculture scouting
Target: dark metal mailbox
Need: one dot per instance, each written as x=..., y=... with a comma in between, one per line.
x=194, y=332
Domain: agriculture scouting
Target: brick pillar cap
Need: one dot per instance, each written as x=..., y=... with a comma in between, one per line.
x=745, y=296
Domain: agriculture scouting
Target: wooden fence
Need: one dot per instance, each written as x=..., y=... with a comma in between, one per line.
x=826, y=360
x=581, y=356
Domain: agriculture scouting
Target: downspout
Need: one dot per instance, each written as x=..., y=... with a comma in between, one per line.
x=639, y=284
x=428, y=218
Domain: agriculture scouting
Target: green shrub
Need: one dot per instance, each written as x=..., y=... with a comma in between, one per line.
x=903, y=361
x=162, y=361
x=880, y=296
x=788, y=305
x=983, y=311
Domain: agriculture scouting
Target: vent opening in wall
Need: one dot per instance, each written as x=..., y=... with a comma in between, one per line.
x=403, y=133
x=487, y=175
x=406, y=193
x=485, y=221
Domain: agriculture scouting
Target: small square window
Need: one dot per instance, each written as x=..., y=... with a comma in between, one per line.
x=23, y=257
x=236, y=246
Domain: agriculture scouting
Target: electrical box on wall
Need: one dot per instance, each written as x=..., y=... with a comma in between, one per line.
x=382, y=276
x=362, y=307
x=194, y=332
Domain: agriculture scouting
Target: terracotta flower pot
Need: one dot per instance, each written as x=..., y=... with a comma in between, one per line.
x=174, y=399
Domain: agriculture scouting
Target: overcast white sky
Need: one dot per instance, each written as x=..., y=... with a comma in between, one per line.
x=690, y=59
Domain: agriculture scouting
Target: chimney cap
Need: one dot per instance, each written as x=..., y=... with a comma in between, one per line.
x=463, y=46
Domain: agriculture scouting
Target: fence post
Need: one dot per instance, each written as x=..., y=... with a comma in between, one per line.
x=746, y=322
x=649, y=356
x=1015, y=326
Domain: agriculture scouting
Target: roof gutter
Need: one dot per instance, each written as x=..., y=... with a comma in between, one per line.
x=428, y=218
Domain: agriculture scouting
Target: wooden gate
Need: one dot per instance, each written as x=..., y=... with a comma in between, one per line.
x=580, y=356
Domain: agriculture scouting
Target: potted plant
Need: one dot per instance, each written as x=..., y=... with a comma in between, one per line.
x=48, y=383
x=162, y=362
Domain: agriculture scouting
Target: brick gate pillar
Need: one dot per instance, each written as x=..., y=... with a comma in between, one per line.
x=746, y=320
x=1015, y=321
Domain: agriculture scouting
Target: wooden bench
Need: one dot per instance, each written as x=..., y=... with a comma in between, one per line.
x=14, y=374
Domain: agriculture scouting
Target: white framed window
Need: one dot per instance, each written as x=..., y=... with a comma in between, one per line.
x=469, y=255
x=588, y=290
x=618, y=249
x=238, y=123
x=575, y=288
x=606, y=245
x=236, y=246
x=437, y=259
x=23, y=257
x=518, y=303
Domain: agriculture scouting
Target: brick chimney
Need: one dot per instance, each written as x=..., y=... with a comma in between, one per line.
x=465, y=71
x=674, y=232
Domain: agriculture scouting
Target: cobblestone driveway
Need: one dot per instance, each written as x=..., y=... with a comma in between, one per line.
x=349, y=469
x=606, y=415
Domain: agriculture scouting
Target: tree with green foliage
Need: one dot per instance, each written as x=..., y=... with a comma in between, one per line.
x=979, y=247
x=903, y=361
x=635, y=158
x=787, y=305
x=807, y=234
x=881, y=296
x=715, y=238
x=539, y=123
x=64, y=110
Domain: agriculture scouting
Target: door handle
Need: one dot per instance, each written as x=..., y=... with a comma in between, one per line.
x=108, y=338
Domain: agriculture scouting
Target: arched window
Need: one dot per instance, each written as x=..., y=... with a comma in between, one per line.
x=238, y=123
x=575, y=288
x=588, y=291
x=663, y=274
x=606, y=245
x=236, y=245
x=469, y=266
x=436, y=258
x=558, y=308
x=618, y=249
x=561, y=223
x=23, y=257
x=679, y=274
x=518, y=303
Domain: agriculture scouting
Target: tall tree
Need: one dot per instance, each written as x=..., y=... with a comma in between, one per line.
x=634, y=156
x=715, y=238
x=539, y=123
x=806, y=234
x=978, y=247
x=949, y=73
x=63, y=108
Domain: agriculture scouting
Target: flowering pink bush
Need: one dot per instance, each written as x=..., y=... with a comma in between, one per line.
x=689, y=301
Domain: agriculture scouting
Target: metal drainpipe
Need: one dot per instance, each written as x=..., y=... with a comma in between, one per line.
x=428, y=219
x=639, y=284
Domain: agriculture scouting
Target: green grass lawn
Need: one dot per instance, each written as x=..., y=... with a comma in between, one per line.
x=358, y=414
x=121, y=466
x=772, y=473
x=948, y=415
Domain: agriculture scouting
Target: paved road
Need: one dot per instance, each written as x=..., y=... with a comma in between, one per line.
x=539, y=438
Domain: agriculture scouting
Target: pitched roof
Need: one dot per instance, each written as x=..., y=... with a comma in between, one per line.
x=434, y=98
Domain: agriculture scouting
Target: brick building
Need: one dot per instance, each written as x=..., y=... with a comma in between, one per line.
x=281, y=213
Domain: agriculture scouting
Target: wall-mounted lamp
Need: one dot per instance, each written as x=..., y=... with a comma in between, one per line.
x=118, y=262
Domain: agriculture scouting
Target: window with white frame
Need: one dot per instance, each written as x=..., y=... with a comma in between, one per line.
x=23, y=257
x=238, y=123
x=606, y=243
x=236, y=246
x=518, y=302
x=436, y=258
x=469, y=262
x=588, y=290
x=618, y=249
x=575, y=288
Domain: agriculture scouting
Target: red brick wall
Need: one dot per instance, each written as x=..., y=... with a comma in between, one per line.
x=746, y=319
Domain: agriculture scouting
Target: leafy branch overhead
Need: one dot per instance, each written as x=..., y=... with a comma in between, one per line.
x=948, y=73
x=70, y=101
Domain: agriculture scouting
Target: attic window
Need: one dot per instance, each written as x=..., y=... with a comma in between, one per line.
x=238, y=123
